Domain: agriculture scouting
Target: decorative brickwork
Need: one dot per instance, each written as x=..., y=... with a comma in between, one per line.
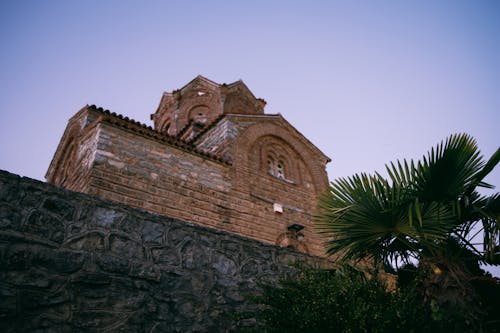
x=207, y=161
x=200, y=102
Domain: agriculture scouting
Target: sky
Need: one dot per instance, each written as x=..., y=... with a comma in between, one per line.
x=368, y=82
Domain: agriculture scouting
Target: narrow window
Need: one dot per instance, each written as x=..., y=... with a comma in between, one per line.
x=280, y=171
x=270, y=166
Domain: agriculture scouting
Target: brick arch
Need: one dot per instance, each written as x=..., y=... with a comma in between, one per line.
x=204, y=110
x=253, y=133
x=192, y=101
x=279, y=151
x=164, y=123
x=165, y=127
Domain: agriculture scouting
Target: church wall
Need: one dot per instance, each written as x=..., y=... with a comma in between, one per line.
x=142, y=173
x=260, y=220
x=70, y=262
x=76, y=152
x=157, y=177
x=258, y=190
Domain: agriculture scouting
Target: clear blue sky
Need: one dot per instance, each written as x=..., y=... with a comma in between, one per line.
x=367, y=81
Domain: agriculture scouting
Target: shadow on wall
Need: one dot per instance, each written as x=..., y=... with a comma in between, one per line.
x=70, y=262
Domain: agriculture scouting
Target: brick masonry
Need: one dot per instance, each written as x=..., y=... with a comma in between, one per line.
x=70, y=262
x=206, y=162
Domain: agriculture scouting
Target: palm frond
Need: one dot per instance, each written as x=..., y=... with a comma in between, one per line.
x=448, y=169
x=416, y=211
x=487, y=168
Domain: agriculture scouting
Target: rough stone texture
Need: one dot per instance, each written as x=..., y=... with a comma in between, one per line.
x=70, y=262
x=220, y=138
x=207, y=161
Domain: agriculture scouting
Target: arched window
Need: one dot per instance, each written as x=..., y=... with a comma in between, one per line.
x=275, y=167
x=199, y=114
x=276, y=158
x=166, y=127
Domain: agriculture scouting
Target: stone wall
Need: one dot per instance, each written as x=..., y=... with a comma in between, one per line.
x=72, y=263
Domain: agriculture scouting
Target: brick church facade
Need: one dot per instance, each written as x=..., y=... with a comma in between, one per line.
x=213, y=158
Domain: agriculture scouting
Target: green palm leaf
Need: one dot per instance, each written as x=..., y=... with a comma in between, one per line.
x=416, y=211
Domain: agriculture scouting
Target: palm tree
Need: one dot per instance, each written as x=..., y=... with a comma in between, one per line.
x=418, y=210
x=428, y=211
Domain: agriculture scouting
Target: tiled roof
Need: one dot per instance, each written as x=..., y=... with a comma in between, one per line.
x=131, y=125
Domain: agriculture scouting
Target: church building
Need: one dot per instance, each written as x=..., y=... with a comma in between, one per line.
x=213, y=158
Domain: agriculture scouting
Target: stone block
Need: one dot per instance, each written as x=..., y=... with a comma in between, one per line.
x=93, y=320
x=285, y=258
x=125, y=247
x=166, y=256
x=90, y=241
x=34, y=299
x=44, y=225
x=170, y=281
x=59, y=261
x=224, y=265
x=201, y=282
x=166, y=315
x=107, y=218
x=59, y=207
x=131, y=224
x=152, y=232
x=33, y=198
x=32, y=279
x=74, y=229
x=91, y=278
x=195, y=256
x=113, y=264
x=250, y=269
x=178, y=235
x=16, y=257
x=145, y=271
x=10, y=217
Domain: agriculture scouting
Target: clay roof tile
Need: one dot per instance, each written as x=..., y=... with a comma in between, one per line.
x=142, y=129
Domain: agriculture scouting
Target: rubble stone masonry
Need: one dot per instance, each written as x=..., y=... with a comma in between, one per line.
x=70, y=262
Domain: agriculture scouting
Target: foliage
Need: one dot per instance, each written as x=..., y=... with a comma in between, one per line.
x=424, y=206
x=477, y=315
x=428, y=212
x=347, y=301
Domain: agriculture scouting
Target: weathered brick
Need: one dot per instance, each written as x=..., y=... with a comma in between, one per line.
x=116, y=159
